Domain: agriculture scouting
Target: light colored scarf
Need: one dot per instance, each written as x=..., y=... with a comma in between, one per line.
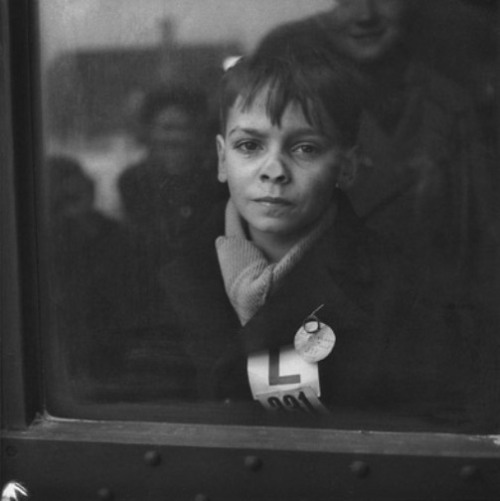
x=249, y=278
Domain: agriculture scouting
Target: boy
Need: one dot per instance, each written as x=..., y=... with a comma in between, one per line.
x=285, y=297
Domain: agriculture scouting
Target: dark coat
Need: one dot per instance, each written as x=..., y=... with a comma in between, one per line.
x=162, y=209
x=393, y=349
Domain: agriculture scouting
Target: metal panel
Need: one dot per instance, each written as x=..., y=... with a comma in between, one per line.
x=129, y=461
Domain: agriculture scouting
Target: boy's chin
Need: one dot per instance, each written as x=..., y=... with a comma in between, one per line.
x=279, y=231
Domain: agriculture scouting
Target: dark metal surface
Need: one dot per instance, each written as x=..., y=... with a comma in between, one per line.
x=87, y=470
x=98, y=460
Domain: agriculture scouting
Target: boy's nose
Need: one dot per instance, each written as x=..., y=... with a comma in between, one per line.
x=275, y=170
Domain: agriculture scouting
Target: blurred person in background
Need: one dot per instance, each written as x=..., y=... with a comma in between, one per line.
x=165, y=197
x=88, y=259
x=166, y=194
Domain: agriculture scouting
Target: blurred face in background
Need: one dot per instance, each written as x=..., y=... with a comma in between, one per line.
x=366, y=30
x=173, y=140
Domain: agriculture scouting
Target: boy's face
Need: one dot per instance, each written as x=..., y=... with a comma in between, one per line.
x=366, y=30
x=281, y=178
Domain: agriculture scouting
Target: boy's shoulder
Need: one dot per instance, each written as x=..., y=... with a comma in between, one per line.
x=365, y=255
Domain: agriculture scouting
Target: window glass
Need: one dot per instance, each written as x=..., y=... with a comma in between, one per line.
x=312, y=240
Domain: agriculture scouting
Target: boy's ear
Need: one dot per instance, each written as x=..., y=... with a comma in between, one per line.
x=351, y=163
x=221, y=155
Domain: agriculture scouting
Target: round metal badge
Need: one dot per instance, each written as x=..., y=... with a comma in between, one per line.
x=314, y=341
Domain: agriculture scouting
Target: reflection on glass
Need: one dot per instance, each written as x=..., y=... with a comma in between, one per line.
x=360, y=187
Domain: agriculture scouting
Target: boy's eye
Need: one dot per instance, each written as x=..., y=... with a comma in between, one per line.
x=306, y=149
x=247, y=146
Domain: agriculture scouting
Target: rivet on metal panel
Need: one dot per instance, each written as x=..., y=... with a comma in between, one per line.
x=105, y=494
x=360, y=469
x=253, y=463
x=152, y=458
x=469, y=472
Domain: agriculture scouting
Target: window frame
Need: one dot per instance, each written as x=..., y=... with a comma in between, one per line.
x=116, y=459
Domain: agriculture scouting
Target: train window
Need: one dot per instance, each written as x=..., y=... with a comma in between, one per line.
x=142, y=307
x=273, y=221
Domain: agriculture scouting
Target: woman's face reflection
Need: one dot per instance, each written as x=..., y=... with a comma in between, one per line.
x=366, y=30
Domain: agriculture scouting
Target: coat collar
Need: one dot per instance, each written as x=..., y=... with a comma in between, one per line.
x=336, y=273
x=340, y=272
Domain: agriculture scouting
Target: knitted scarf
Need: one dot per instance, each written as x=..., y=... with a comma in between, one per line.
x=249, y=278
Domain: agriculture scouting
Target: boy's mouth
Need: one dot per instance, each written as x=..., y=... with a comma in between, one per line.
x=272, y=201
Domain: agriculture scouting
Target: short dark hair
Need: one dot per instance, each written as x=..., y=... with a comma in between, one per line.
x=192, y=100
x=295, y=70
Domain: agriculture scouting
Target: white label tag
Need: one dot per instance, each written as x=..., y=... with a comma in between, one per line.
x=281, y=370
x=303, y=400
